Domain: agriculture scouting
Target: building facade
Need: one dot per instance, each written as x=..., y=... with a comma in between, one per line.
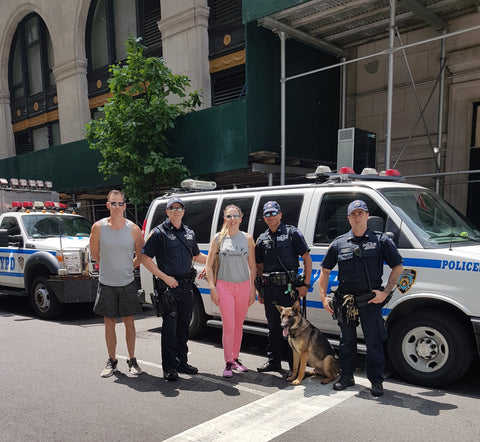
x=54, y=71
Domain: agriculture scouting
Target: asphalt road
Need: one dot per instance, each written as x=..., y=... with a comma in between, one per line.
x=51, y=390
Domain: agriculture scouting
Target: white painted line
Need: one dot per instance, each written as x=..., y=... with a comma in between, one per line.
x=273, y=415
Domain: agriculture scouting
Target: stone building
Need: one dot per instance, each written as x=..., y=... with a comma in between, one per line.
x=420, y=103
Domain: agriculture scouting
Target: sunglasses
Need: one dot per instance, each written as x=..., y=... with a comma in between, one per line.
x=232, y=216
x=176, y=209
x=115, y=204
x=269, y=214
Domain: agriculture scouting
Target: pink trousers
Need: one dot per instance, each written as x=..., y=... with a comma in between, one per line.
x=233, y=303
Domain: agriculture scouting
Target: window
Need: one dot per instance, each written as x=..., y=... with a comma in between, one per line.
x=245, y=204
x=332, y=217
x=226, y=36
x=198, y=216
x=291, y=206
x=32, y=86
x=109, y=24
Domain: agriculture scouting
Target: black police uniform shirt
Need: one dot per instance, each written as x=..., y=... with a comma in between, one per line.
x=287, y=243
x=374, y=250
x=172, y=256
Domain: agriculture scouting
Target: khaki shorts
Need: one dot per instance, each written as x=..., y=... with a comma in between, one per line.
x=114, y=302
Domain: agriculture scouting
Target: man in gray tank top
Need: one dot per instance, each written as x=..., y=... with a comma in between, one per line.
x=115, y=244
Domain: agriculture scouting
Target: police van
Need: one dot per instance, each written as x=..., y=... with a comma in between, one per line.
x=433, y=318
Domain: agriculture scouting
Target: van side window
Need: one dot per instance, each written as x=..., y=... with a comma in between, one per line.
x=332, y=217
x=245, y=204
x=159, y=216
x=291, y=206
x=198, y=216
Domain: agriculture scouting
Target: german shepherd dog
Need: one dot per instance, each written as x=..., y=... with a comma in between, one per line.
x=309, y=346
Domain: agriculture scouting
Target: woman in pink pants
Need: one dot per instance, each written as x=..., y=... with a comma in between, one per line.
x=234, y=291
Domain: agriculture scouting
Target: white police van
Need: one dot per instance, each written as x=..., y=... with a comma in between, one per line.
x=43, y=248
x=433, y=317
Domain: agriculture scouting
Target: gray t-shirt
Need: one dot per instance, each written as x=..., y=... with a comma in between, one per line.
x=233, y=256
x=117, y=248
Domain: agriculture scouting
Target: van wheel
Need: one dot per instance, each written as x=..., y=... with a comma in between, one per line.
x=430, y=348
x=44, y=302
x=198, y=323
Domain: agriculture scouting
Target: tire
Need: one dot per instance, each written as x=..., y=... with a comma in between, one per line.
x=198, y=323
x=44, y=302
x=430, y=348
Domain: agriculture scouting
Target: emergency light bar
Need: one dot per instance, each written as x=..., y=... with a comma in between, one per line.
x=27, y=205
x=323, y=174
x=23, y=183
x=3, y=183
x=198, y=184
x=32, y=184
x=13, y=182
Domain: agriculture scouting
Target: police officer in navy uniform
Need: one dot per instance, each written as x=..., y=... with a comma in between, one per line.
x=276, y=253
x=360, y=255
x=174, y=246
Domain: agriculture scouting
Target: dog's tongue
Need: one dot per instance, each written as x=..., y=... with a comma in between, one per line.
x=285, y=332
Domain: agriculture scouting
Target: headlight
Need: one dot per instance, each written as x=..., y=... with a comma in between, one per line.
x=72, y=261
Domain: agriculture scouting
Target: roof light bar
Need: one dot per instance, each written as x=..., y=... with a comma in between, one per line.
x=14, y=182
x=32, y=184
x=346, y=170
x=198, y=184
x=23, y=183
x=369, y=171
x=27, y=205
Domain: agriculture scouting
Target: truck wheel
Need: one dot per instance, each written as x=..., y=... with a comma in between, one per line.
x=44, y=302
x=430, y=348
x=198, y=323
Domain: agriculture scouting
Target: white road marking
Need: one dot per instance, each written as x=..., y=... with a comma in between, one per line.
x=270, y=416
x=273, y=415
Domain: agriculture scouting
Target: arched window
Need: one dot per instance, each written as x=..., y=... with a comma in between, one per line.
x=108, y=26
x=33, y=94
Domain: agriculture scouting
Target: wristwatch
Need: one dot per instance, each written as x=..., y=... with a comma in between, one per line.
x=306, y=285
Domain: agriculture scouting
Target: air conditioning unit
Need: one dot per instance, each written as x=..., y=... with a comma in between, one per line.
x=356, y=148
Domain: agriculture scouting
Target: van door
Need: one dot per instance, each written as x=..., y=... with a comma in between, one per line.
x=329, y=210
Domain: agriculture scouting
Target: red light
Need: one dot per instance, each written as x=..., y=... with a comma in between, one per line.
x=392, y=172
x=144, y=226
x=28, y=205
x=49, y=205
x=63, y=206
x=96, y=266
x=346, y=170
x=16, y=204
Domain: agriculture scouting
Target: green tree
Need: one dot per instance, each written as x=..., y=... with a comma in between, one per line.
x=132, y=135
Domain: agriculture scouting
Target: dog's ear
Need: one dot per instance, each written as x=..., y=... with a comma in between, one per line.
x=296, y=305
x=280, y=308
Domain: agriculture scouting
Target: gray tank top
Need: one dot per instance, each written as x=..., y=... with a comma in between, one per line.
x=233, y=256
x=117, y=248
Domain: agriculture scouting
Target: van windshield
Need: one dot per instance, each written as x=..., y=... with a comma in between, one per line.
x=433, y=221
x=40, y=226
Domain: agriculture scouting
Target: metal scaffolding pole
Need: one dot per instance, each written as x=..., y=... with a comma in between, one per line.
x=283, y=101
x=391, y=41
x=343, y=94
x=441, y=88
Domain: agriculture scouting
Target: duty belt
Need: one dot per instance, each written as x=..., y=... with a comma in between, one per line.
x=183, y=279
x=279, y=278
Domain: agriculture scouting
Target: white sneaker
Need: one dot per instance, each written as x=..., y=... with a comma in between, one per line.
x=110, y=368
x=133, y=366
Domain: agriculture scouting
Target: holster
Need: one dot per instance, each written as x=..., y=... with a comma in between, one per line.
x=163, y=301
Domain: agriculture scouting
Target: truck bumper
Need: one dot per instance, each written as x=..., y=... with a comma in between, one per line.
x=74, y=290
